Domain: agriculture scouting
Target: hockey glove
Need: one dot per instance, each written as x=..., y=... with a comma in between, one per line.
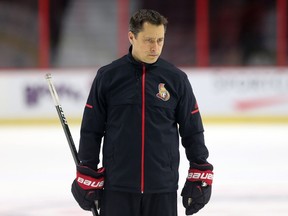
x=88, y=187
x=197, y=189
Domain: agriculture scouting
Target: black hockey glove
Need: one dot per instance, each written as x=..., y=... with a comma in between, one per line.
x=88, y=187
x=197, y=189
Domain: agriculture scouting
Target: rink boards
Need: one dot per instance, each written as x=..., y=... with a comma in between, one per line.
x=224, y=94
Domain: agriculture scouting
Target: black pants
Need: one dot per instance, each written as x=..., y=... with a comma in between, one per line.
x=130, y=204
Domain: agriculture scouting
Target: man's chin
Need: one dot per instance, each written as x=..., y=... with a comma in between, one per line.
x=151, y=59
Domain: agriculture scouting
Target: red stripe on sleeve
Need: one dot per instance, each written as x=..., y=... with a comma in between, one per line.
x=195, y=111
x=89, y=106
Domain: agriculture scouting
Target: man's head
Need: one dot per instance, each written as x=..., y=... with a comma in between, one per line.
x=146, y=34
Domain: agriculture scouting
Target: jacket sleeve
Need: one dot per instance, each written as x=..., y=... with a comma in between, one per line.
x=190, y=125
x=93, y=124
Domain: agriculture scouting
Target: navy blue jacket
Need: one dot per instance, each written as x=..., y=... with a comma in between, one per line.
x=137, y=110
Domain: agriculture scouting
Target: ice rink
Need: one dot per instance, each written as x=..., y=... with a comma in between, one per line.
x=251, y=173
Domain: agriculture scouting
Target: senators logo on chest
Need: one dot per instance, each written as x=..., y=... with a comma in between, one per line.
x=163, y=93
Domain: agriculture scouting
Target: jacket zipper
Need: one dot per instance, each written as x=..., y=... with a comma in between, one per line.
x=143, y=126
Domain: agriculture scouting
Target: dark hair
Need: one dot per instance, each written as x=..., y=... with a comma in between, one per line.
x=146, y=15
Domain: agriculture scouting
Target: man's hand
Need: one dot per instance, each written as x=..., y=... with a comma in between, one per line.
x=88, y=187
x=197, y=189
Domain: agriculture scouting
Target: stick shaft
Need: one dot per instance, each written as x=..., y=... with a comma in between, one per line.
x=62, y=119
x=65, y=126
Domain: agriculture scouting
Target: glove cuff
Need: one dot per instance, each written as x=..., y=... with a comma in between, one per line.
x=89, y=179
x=203, y=167
x=201, y=172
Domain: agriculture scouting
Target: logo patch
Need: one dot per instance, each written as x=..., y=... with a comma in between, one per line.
x=163, y=94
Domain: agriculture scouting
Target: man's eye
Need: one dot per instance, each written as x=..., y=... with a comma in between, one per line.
x=159, y=41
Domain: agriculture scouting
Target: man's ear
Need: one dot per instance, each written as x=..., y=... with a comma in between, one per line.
x=130, y=37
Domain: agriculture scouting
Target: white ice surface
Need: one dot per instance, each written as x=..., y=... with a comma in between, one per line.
x=251, y=173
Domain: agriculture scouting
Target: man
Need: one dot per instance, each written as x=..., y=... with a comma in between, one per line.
x=137, y=103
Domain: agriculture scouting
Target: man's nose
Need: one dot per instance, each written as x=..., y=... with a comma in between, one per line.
x=153, y=46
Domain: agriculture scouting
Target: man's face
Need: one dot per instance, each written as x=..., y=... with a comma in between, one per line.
x=148, y=44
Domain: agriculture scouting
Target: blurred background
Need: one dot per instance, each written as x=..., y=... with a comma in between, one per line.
x=233, y=51
x=89, y=33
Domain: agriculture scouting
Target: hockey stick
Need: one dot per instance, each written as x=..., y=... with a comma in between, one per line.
x=66, y=129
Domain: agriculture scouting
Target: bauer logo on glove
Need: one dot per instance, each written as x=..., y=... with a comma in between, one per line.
x=87, y=182
x=198, y=175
